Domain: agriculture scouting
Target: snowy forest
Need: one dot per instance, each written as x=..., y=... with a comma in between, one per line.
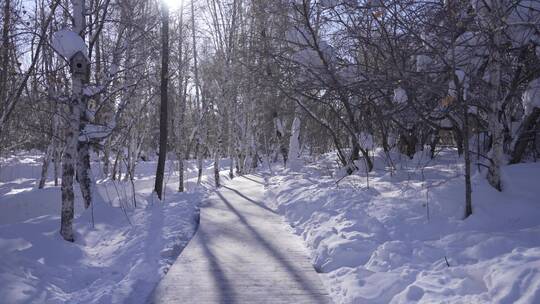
x=284, y=151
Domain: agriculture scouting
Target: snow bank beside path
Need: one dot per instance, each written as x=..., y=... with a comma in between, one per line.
x=378, y=245
x=119, y=261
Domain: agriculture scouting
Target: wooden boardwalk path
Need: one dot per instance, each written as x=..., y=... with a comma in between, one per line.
x=241, y=253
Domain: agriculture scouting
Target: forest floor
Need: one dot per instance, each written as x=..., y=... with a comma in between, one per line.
x=402, y=239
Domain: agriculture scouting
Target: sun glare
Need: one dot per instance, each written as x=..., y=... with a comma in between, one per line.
x=173, y=4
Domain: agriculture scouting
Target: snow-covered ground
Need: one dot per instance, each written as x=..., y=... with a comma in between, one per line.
x=391, y=242
x=120, y=260
x=400, y=240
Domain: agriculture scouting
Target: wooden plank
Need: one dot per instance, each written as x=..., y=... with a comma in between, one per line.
x=241, y=253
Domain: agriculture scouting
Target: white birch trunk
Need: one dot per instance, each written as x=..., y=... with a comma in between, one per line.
x=496, y=128
x=231, y=143
x=496, y=154
x=280, y=133
x=294, y=162
x=69, y=158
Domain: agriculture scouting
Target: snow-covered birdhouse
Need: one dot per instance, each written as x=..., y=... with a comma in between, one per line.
x=79, y=64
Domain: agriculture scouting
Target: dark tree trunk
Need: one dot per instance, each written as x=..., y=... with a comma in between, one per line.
x=467, y=156
x=57, y=164
x=4, y=53
x=433, y=144
x=160, y=172
x=180, y=172
x=458, y=137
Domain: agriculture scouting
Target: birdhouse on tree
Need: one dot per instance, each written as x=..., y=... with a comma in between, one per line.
x=79, y=64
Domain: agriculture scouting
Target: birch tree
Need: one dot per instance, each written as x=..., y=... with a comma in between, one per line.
x=75, y=106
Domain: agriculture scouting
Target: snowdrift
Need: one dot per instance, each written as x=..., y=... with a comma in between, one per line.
x=403, y=239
